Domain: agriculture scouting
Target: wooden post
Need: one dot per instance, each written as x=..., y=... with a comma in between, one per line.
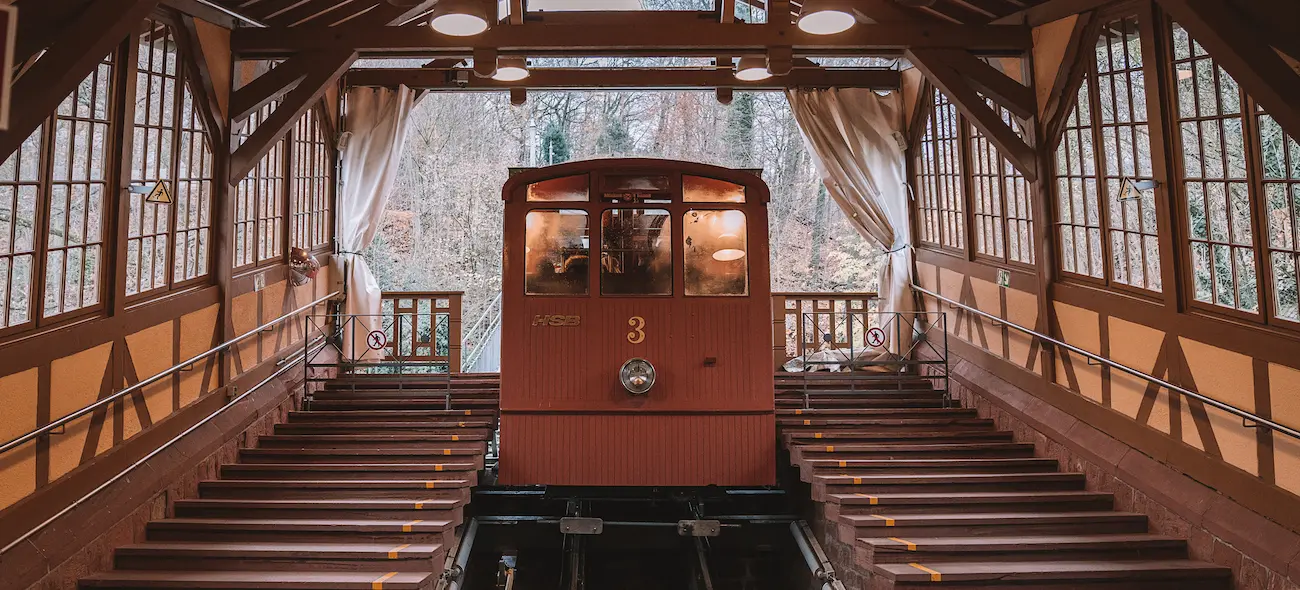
x=453, y=332
x=778, y=331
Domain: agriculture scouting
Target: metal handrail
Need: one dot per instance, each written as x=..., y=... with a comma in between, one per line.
x=156, y=452
x=30, y=436
x=1243, y=414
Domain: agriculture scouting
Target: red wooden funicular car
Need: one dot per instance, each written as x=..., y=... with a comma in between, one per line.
x=636, y=327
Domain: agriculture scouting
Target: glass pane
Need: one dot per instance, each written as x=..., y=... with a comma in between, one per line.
x=698, y=189
x=565, y=188
x=557, y=253
x=633, y=188
x=636, y=256
x=716, y=253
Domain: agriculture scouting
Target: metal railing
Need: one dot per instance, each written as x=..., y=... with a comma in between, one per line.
x=476, y=338
x=1229, y=408
x=182, y=366
x=788, y=337
x=143, y=460
x=429, y=329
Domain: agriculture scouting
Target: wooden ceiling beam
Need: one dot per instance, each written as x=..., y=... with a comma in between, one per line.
x=688, y=37
x=269, y=86
x=967, y=100
x=1236, y=44
x=40, y=23
x=1051, y=10
x=75, y=52
x=984, y=78
x=625, y=78
x=324, y=68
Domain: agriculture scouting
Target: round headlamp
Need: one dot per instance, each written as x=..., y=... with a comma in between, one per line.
x=637, y=376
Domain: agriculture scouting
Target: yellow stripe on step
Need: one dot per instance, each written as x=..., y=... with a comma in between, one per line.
x=392, y=553
x=446, y=451
x=798, y=412
x=817, y=435
x=437, y=467
x=830, y=448
x=807, y=422
x=910, y=545
x=378, y=584
x=420, y=505
x=934, y=576
x=455, y=438
x=857, y=481
x=874, y=500
x=888, y=521
x=406, y=528
x=844, y=463
x=429, y=485
x=468, y=412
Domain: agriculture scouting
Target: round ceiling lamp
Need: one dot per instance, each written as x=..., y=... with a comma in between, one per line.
x=511, y=69
x=825, y=18
x=459, y=18
x=733, y=248
x=752, y=69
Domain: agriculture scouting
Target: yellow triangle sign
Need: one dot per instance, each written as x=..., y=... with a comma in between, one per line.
x=159, y=194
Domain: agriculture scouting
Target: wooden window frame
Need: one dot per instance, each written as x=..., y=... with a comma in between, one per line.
x=958, y=194
x=254, y=183
x=1153, y=64
x=1004, y=173
x=296, y=210
x=1265, y=314
x=187, y=73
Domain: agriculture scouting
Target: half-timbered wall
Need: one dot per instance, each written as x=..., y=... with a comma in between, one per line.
x=1168, y=209
x=100, y=289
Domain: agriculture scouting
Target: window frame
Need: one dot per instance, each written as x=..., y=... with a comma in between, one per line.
x=1266, y=310
x=188, y=78
x=960, y=193
x=1002, y=178
x=320, y=120
x=1157, y=137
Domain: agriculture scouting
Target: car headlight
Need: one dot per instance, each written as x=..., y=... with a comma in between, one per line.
x=637, y=376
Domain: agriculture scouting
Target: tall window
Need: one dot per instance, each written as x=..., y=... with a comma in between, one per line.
x=1280, y=167
x=1004, y=222
x=1104, y=169
x=259, y=203
x=1215, y=184
x=171, y=148
x=52, y=202
x=311, y=175
x=939, y=174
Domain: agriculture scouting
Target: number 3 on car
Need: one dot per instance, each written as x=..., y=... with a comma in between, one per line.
x=637, y=334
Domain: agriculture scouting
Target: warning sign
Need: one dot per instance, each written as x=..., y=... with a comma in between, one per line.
x=876, y=337
x=377, y=340
x=159, y=194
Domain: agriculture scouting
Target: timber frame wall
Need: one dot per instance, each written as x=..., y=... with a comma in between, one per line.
x=1251, y=361
x=49, y=369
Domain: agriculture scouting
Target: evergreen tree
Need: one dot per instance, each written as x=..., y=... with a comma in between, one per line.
x=739, y=133
x=614, y=139
x=554, y=145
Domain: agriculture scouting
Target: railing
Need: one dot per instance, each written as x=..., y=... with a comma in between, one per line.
x=425, y=328
x=283, y=366
x=183, y=365
x=479, y=336
x=1231, y=409
x=790, y=335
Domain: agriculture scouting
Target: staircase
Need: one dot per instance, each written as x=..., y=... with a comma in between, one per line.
x=362, y=490
x=932, y=496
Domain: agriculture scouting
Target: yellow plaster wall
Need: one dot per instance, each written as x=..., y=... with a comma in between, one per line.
x=1284, y=393
x=151, y=353
x=74, y=383
x=197, y=330
x=243, y=315
x=1137, y=346
x=18, y=467
x=1079, y=327
x=272, y=303
x=1050, y=42
x=1228, y=377
x=1022, y=308
x=987, y=300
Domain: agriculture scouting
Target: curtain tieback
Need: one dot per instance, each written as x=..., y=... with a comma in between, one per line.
x=898, y=249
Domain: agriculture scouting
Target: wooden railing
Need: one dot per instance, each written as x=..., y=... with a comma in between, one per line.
x=425, y=327
x=799, y=318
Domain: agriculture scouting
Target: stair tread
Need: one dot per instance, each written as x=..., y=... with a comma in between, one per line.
x=869, y=520
x=256, y=579
x=1031, y=570
x=350, y=466
x=964, y=497
x=336, y=483
x=433, y=503
x=941, y=478
x=1018, y=542
x=295, y=524
x=292, y=548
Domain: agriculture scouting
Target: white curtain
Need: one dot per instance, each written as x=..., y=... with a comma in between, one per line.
x=371, y=148
x=855, y=136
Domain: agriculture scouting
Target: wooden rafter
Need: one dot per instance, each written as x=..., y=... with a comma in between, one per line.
x=268, y=87
x=687, y=37
x=77, y=50
x=627, y=78
x=1016, y=97
x=1049, y=11
x=324, y=69
x=1238, y=47
x=967, y=100
x=41, y=22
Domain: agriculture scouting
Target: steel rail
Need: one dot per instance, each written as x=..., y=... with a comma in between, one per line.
x=1231, y=409
x=30, y=436
x=230, y=404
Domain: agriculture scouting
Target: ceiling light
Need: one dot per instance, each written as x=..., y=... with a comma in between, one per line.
x=752, y=69
x=511, y=69
x=459, y=18
x=823, y=19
